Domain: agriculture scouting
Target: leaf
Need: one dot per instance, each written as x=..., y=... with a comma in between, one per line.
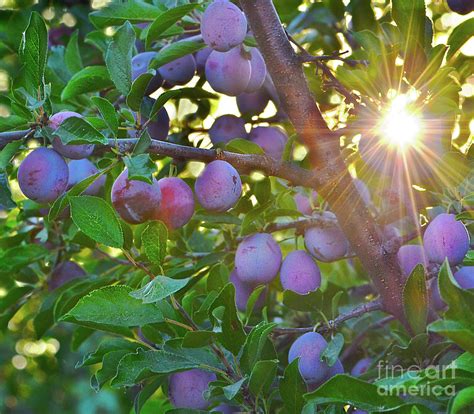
x=119, y=58
x=13, y=296
x=112, y=306
x=77, y=130
x=460, y=35
x=145, y=393
x=89, y=79
x=115, y=14
x=409, y=15
x=230, y=391
x=142, y=144
x=158, y=289
x=110, y=363
x=137, y=91
x=108, y=113
x=175, y=51
x=165, y=20
x=19, y=257
x=331, y=354
x=262, y=376
x=415, y=300
x=140, y=167
x=97, y=220
x=72, y=56
x=6, y=201
x=154, y=239
x=458, y=331
x=257, y=346
x=13, y=122
x=244, y=146
x=292, y=387
x=304, y=303
x=33, y=55
x=462, y=401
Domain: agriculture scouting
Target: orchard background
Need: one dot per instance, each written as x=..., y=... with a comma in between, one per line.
x=260, y=206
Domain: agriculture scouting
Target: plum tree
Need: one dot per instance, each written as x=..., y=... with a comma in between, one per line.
x=411, y=255
x=308, y=348
x=179, y=71
x=64, y=272
x=445, y=237
x=177, y=202
x=361, y=367
x=300, y=273
x=465, y=277
x=223, y=25
x=326, y=242
x=140, y=64
x=186, y=388
x=243, y=291
x=80, y=170
x=75, y=152
x=271, y=139
x=258, y=259
x=228, y=72
x=461, y=6
x=226, y=128
x=43, y=175
x=258, y=71
x=218, y=187
x=135, y=201
x=253, y=103
x=303, y=203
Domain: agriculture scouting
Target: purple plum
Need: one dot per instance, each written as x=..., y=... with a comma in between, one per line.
x=43, y=175
x=158, y=128
x=461, y=6
x=75, y=152
x=258, y=259
x=300, y=273
x=63, y=273
x=271, y=139
x=179, y=71
x=135, y=201
x=336, y=369
x=140, y=64
x=436, y=300
x=177, y=202
x=219, y=186
x=243, y=291
x=201, y=58
x=228, y=72
x=186, y=388
x=303, y=203
x=308, y=348
x=258, y=71
x=465, y=277
x=409, y=256
x=361, y=367
x=223, y=26
x=445, y=237
x=226, y=128
x=253, y=103
x=80, y=170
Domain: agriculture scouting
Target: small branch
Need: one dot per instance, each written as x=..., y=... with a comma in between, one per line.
x=7, y=137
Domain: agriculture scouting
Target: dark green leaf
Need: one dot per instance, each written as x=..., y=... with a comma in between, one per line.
x=108, y=112
x=89, y=79
x=6, y=202
x=142, y=144
x=257, y=346
x=137, y=91
x=460, y=35
x=77, y=130
x=175, y=51
x=140, y=167
x=415, y=300
x=154, y=239
x=244, y=146
x=72, y=55
x=331, y=354
x=292, y=388
x=158, y=289
x=262, y=376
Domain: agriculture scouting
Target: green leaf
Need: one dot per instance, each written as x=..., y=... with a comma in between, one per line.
x=6, y=201
x=363, y=17
x=119, y=58
x=460, y=35
x=262, y=376
x=292, y=387
x=165, y=20
x=77, y=130
x=158, y=289
x=415, y=300
x=108, y=113
x=110, y=363
x=113, y=306
x=140, y=167
x=142, y=144
x=33, y=55
x=230, y=391
x=331, y=354
x=19, y=257
x=409, y=15
x=13, y=122
x=97, y=220
x=304, y=303
x=146, y=392
x=257, y=346
x=175, y=51
x=137, y=91
x=72, y=56
x=89, y=79
x=458, y=331
x=154, y=240
x=244, y=146
x=8, y=152
x=462, y=401
x=115, y=14
x=13, y=297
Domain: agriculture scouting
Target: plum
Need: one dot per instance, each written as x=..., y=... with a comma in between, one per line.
x=436, y=300
x=179, y=71
x=227, y=127
x=461, y=6
x=361, y=367
x=63, y=273
x=75, y=152
x=253, y=103
x=201, y=58
x=258, y=71
x=300, y=273
x=326, y=242
x=223, y=26
x=140, y=64
x=303, y=203
x=409, y=256
x=336, y=369
x=43, y=175
x=258, y=259
x=308, y=348
x=80, y=170
x=186, y=388
x=228, y=72
x=177, y=202
x=445, y=237
x=465, y=277
x=135, y=201
x=158, y=128
x=219, y=186
x=243, y=291
x=271, y=139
